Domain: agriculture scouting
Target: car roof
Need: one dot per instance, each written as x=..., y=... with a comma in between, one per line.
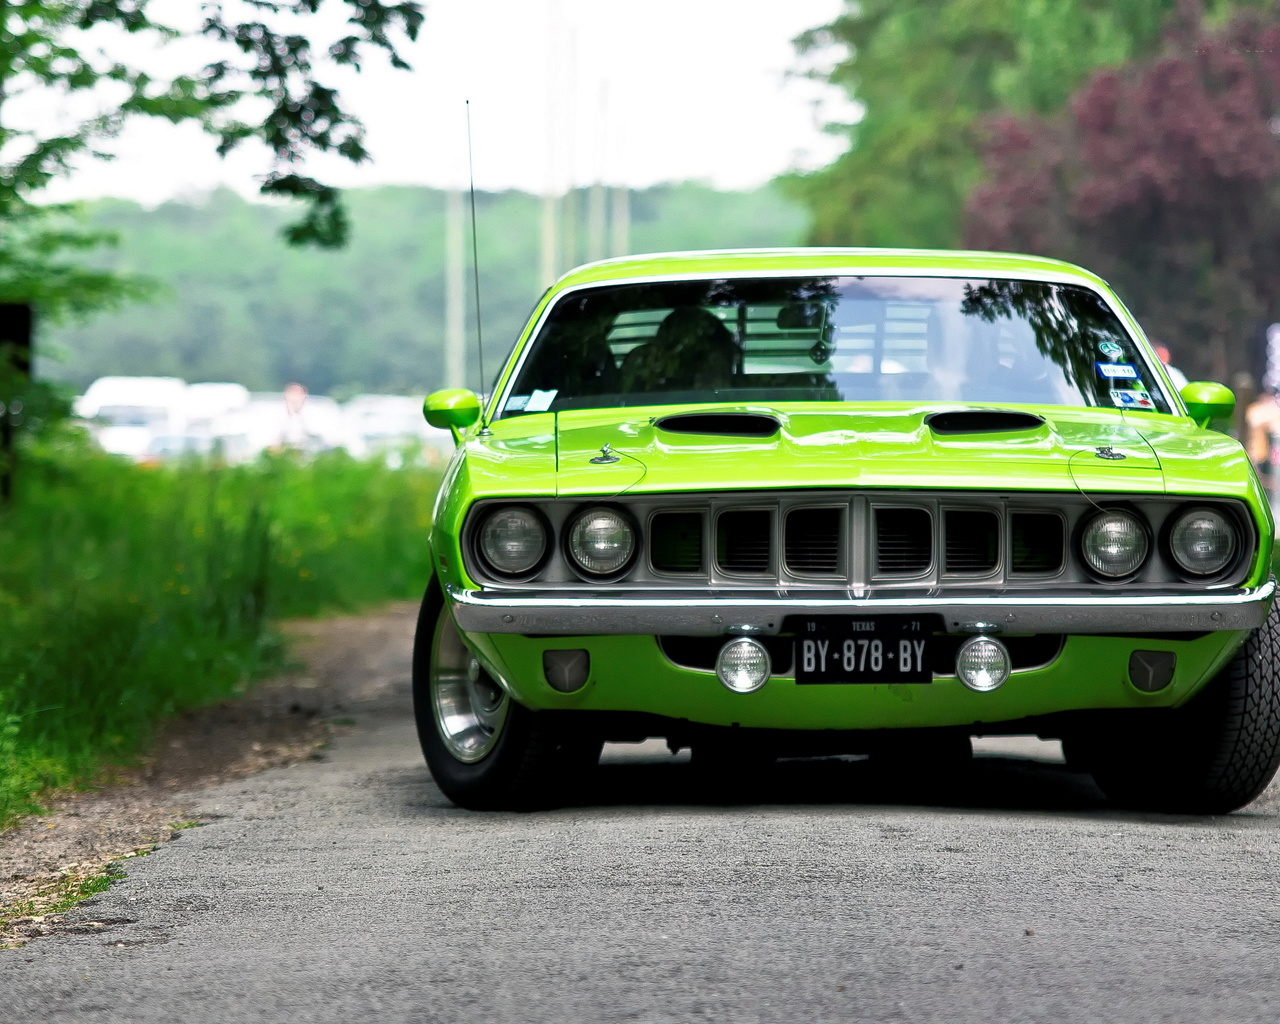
x=804, y=260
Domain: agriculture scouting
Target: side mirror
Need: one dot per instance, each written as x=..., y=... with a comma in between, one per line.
x=453, y=408
x=1207, y=401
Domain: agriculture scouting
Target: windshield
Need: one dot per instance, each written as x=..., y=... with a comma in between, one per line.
x=836, y=339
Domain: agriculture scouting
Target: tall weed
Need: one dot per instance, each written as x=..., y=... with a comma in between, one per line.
x=128, y=594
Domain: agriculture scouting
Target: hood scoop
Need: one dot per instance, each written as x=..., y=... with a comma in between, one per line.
x=981, y=421
x=720, y=424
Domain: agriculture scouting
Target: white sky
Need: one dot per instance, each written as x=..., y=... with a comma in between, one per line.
x=562, y=92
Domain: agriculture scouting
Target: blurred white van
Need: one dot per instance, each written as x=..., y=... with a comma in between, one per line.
x=126, y=413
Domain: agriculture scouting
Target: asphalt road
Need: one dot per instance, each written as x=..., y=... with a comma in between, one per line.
x=351, y=890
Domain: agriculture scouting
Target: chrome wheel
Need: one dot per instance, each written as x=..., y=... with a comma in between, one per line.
x=470, y=707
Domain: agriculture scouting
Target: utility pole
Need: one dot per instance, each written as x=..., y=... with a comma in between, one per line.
x=570, y=212
x=596, y=197
x=548, y=266
x=620, y=222
x=455, y=325
x=595, y=222
x=549, y=250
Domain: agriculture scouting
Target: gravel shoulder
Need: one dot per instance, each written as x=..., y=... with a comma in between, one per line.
x=347, y=888
x=48, y=859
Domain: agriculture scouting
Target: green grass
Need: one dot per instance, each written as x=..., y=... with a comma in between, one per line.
x=128, y=594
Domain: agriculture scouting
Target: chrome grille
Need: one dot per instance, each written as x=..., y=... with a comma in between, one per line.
x=675, y=542
x=904, y=541
x=973, y=540
x=744, y=541
x=1037, y=542
x=812, y=541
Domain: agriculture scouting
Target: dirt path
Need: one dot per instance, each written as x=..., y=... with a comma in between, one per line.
x=51, y=859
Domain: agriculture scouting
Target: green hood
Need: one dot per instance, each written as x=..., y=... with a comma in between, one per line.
x=825, y=445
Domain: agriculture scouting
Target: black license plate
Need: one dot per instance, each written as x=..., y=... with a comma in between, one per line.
x=879, y=649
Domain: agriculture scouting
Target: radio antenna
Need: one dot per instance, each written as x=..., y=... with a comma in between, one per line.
x=475, y=271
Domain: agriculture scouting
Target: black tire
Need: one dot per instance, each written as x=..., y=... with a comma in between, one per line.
x=1211, y=756
x=536, y=759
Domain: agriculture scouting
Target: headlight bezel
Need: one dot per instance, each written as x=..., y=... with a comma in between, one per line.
x=1242, y=542
x=482, y=557
x=1082, y=532
x=571, y=560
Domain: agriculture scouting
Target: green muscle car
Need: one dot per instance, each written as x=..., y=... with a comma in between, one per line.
x=837, y=501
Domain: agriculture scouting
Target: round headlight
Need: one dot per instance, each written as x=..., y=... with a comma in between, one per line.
x=1114, y=544
x=1202, y=541
x=513, y=540
x=601, y=541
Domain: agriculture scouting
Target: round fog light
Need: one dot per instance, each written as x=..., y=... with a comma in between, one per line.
x=982, y=663
x=743, y=665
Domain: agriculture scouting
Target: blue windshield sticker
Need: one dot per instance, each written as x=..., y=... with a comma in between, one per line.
x=1135, y=398
x=1118, y=371
x=517, y=402
x=1110, y=349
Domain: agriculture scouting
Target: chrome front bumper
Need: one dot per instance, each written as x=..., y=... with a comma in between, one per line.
x=702, y=613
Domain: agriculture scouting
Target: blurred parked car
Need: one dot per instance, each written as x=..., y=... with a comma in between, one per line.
x=126, y=413
x=389, y=425
x=155, y=419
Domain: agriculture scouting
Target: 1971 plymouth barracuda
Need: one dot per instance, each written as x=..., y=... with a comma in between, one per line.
x=813, y=501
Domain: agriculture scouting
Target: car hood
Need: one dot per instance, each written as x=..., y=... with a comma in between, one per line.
x=852, y=446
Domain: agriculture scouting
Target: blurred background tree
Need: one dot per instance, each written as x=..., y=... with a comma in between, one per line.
x=263, y=87
x=926, y=74
x=1137, y=137
x=368, y=316
x=1163, y=176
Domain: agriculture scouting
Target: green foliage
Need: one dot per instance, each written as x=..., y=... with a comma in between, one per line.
x=128, y=594
x=369, y=317
x=1185, y=224
x=266, y=66
x=926, y=74
x=41, y=254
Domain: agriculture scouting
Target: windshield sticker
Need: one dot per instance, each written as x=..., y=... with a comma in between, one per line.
x=540, y=401
x=1110, y=349
x=1118, y=371
x=1137, y=398
x=516, y=403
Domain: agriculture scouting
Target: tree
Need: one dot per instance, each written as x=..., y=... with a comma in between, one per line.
x=1164, y=176
x=926, y=74
x=268, y=65
x=264, y=88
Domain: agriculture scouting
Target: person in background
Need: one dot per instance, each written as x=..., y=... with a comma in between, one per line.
x=294, y=431
x=1262, y=418
x=1177, y=376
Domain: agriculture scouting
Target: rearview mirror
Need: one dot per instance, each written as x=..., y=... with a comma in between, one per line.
x=453, y=408
x=1207, y=401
